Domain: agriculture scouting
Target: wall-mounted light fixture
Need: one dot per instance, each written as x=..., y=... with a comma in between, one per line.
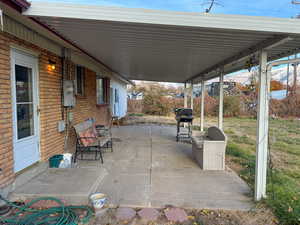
x=51, y=65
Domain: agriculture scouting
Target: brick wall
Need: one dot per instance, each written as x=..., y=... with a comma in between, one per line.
x=86, y=106
x=51, y=141
x=6, y=155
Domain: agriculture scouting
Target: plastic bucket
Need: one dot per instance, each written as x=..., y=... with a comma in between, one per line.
x=55, y=160
x=98, y=200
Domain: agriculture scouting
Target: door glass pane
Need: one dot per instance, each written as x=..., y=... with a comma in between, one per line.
x=23, y=84
x=24, y=101
x=25, y=122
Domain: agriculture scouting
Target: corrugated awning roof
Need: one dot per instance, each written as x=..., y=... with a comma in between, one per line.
x=168, y=46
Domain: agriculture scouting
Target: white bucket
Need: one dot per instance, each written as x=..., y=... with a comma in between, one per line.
x=98, y=200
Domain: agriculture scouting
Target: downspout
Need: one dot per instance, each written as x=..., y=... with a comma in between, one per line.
x=263, y=123
x=62, y=83
x=280, y=62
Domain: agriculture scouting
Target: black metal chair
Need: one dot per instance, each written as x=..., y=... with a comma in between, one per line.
x=88, y=141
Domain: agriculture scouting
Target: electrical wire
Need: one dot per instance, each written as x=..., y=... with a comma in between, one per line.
x=59, y=215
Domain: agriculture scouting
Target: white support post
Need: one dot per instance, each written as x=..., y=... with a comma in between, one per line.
x=262, y=129
x=185, y=96
x=221, y=100
x=202, y=105
x=288, y=78
x=295, y=76
x=192, y=95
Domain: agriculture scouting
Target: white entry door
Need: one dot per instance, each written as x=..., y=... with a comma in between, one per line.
x=25, y=109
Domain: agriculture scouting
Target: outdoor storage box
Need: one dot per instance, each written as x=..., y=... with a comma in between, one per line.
x=209, y=149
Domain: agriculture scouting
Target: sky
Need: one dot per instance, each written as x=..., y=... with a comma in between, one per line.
x=271, y=8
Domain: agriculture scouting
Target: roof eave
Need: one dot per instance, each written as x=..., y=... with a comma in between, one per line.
x=22, y=3
x=19, y=5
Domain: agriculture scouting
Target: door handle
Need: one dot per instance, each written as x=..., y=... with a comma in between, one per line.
x=38, y=110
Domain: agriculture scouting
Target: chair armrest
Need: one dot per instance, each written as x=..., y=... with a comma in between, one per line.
x=86, y=137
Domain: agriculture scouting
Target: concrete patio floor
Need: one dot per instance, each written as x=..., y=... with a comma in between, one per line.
x=148, y=168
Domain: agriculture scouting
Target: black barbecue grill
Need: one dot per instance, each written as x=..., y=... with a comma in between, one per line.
x=184, y=115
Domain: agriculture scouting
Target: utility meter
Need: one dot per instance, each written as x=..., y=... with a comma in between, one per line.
x=69, y=93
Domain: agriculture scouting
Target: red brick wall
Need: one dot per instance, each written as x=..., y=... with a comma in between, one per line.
x=6, y=150
x=51, y=141
x=86, y=105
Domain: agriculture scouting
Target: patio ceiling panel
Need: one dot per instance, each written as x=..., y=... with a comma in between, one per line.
x=167, y=46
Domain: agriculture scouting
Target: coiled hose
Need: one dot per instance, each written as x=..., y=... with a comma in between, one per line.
x=60, y=215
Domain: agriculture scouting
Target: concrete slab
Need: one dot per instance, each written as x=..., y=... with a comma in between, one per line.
x=72, y=185
x=155, y=171
x=148, y=168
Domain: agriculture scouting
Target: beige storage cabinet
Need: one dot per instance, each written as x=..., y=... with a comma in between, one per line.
x=209, y=149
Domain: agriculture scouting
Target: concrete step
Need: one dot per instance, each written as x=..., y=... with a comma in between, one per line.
x=72, y=185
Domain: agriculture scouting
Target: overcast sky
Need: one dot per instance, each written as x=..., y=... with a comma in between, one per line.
x=273, y=8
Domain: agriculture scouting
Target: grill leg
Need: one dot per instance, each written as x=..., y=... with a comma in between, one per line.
x=178, y=130
x=101, y=157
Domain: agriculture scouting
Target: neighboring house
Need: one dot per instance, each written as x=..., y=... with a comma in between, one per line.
x=229, y=88
x=196, y=93
x=45, y=80
x=136, y=95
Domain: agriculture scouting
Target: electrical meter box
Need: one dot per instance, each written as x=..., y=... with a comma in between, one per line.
x=69, y=93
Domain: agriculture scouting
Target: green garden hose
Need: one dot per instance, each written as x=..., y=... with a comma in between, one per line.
x=59, y=215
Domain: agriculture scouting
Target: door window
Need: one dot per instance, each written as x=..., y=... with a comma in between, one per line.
x=24, y=102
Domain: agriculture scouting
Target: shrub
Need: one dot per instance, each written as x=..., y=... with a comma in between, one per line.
x=210, y=105
x=155, y=103
x=232, y=106
x=135, y=106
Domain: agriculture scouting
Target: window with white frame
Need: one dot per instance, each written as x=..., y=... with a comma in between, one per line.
x=102, y=86
x=116, y=95
x=100, y=91
x=80, y=80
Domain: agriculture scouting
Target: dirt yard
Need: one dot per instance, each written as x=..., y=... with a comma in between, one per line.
x=197, y=217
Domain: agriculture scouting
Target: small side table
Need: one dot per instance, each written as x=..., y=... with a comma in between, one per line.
x=115, y=120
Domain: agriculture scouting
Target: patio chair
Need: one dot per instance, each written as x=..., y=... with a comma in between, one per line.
x=103, y=131
x=88, y=141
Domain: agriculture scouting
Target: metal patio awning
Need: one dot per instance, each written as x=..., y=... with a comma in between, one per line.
x=168, y=46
